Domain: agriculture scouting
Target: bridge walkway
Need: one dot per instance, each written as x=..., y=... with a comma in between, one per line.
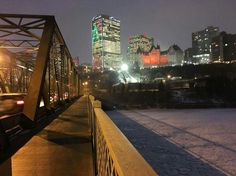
x=62, y=148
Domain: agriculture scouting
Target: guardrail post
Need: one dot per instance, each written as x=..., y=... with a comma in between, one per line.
x=90, y=111
x=95, y=104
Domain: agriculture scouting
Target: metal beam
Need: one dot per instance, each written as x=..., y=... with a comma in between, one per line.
x=19, y=43
x=34, y=22
x=16, y=27
x=21, y=28
x=25, y=16
x=37, y=80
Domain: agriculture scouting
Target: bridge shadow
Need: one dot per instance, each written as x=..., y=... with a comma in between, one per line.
x=166, y=158
x=63, y=138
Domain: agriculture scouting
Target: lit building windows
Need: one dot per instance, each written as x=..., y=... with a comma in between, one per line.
x=106, y=42
x=203, y=44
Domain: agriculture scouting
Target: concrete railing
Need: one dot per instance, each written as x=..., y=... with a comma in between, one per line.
x=113, y=153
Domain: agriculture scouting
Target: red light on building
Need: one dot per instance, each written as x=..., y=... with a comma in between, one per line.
x=150, y=59
x=163, y=59
x=96, y=63
x=154, y=58
x=20, y=102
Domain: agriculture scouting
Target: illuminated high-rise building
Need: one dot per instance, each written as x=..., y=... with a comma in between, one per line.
x=224, y=48
x=106, y=47
x=201, y=44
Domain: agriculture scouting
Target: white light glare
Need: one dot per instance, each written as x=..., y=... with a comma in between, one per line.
x=124, y=67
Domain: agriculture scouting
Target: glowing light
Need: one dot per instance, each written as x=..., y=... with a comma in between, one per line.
x=41, y=103
x=85, y=83
x=133, y=80
x=124, y=67
x=20, y=102
x=21, y=66
x=1, y=58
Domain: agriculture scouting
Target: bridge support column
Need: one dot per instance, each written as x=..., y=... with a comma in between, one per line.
x=5, y=168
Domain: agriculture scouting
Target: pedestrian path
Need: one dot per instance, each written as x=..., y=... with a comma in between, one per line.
x=63, y=148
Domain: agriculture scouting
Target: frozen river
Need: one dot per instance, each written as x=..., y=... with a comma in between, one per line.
x=183, y=142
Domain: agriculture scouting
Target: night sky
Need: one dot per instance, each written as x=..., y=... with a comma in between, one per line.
x=168, y=21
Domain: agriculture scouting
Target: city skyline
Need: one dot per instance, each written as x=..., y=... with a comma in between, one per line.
x=168, y=22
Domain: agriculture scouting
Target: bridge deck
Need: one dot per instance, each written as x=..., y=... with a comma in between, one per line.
x=62, y=148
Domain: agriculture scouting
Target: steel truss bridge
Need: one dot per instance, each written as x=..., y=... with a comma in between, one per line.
x=35, y=60
x=39, y=62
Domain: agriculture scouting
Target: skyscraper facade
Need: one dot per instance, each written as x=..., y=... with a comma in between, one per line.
x=201, y=44
x=106, y=49
x=224, y=48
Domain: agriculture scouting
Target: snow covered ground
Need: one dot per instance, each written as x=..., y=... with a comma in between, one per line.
x=183, y=142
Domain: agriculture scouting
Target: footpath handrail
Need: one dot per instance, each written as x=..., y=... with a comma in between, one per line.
x=113, y=153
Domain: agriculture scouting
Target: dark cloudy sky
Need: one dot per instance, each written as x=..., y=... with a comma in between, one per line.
x=168, y=21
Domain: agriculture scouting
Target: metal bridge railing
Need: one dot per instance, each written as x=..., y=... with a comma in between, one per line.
x=113, y=153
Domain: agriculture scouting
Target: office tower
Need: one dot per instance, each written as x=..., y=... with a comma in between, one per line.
x=224, y=48
x=106, y=49
x=201, y=44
